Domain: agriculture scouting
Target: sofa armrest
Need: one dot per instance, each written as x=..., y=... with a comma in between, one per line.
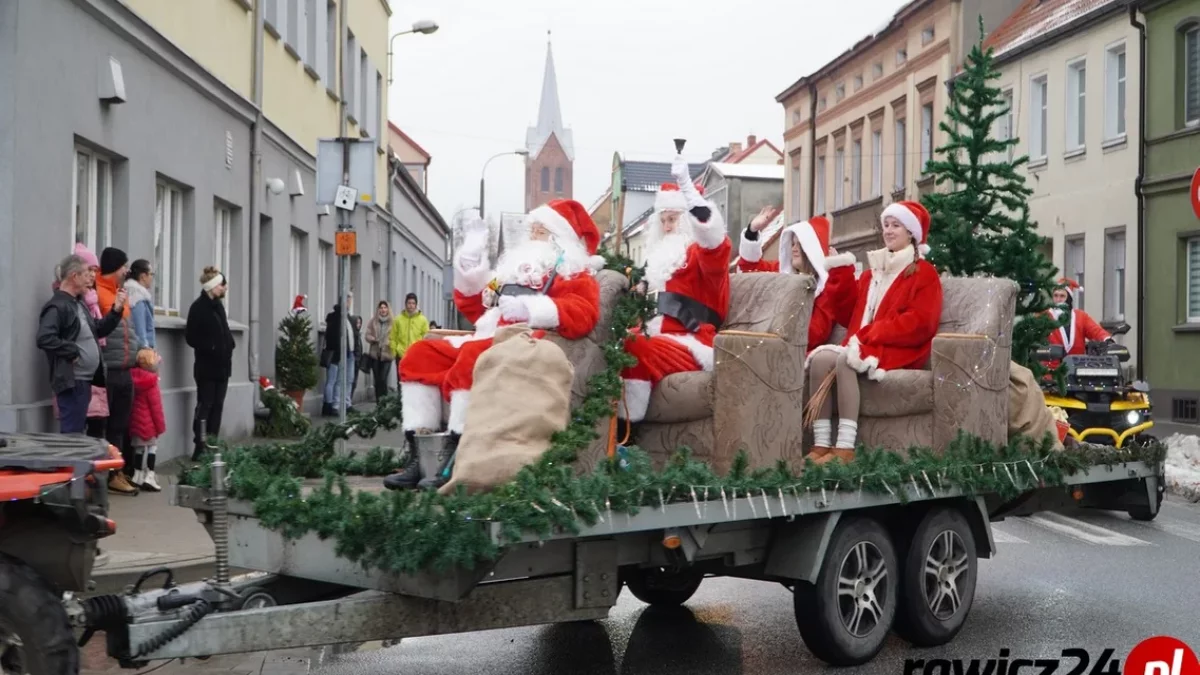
x=758, y=390
x=970, y=388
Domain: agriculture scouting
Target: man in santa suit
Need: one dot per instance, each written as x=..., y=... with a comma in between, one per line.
x=688, y=267
x=546, y=282
x=1080, y=329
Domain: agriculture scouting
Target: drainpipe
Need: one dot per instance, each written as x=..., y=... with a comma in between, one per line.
x=256, y=191
x=1140, y=192
x=391, y=273
x=812, y=149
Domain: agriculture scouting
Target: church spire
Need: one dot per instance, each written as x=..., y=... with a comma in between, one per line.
x=549, y=112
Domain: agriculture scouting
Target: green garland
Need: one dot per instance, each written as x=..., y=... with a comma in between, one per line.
x=410, y=531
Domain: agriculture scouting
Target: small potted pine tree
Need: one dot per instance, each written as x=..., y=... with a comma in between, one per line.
x=295, y=357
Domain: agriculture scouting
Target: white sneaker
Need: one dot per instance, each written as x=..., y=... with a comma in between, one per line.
x=138, y=475
x=150, y=482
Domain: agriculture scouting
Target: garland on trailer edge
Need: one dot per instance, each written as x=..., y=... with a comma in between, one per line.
x=410, y=531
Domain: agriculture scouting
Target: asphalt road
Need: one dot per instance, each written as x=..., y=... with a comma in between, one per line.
x=1091, y=580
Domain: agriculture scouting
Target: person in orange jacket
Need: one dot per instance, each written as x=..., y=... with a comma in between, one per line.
x=1080, y=329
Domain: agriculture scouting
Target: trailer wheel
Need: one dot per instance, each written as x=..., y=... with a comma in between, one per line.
x=938, y=586
x=663, y=587
x=36, y=637
x=844, y=618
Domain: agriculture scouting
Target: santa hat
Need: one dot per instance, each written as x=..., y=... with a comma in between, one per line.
x=813, y=236
x=298, y=304
x=570, y=224
x=914, y=218
x=669, y=198
x=1072, y=288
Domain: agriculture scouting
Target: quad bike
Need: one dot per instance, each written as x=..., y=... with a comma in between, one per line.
x=53, y=510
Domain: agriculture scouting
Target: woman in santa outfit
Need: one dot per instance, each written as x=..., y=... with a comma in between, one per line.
x=804, y=249
x=1080, y=329
x=894, y=321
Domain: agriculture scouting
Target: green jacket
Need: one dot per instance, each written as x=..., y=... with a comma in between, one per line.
x=407, y=329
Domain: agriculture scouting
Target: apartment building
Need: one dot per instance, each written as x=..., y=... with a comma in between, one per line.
x=133, y=123
x=1069, y=74
x=859, y=130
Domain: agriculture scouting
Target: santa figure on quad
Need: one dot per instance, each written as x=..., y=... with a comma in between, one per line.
x=688, y=267
x=547, y=282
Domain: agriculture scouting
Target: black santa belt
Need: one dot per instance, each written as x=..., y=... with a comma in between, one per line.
x=687, y=311
x=517, y=290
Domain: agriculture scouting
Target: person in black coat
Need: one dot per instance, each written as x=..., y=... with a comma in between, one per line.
x=209, y=337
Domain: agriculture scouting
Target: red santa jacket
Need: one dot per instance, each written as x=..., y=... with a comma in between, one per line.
x=571, y=307
x=834, y=305
x=1075, y=336
x=146, y=420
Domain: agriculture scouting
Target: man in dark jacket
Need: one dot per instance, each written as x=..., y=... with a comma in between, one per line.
x=212, y=343
x=70, y=336
x=336, y=322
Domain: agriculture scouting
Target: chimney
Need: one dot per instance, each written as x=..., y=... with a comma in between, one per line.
x=735, y=148
x=751, y=140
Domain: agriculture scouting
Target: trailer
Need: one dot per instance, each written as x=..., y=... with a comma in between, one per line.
x=859, y=566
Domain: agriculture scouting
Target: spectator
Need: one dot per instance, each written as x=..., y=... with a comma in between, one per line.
x=379, y=348
x=70, y=337
x=141, y=302
x=97, y=412
x=410, y=326
x=356, y=349
x=212, y=343
x=433, y=325
x=335, y=323
x=147, y=422
x=120, y=355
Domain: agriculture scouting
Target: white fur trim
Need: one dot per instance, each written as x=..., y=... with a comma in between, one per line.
x=840, y=260
x=472, y=281
x=596, y=263
x=422, y=406
x=803, y=232
x=711, y=234
x=559, y=227
x=543, y=313
x=636, y=401
x=670, y=200
x=924, y=249
x=212, y=283
x=137, y=292
x=868, y=366
x=654, y=326
x=459, y=400
x=907, y=218
x=838, y=349
x=700, y=351
x=751, y=250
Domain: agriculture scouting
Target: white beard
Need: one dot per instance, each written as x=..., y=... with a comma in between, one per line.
x=530, y=263
x=668, y=255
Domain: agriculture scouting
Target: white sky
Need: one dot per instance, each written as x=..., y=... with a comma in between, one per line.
x=631, y=76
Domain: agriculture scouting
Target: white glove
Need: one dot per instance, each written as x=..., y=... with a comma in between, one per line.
x=475, y=238
x=680, y=172
x=513, y=309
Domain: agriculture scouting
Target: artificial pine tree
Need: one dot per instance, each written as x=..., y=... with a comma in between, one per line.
x=295, y=356
x=981, y=225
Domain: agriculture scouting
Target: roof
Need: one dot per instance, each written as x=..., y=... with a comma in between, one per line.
x=408, y=139
x=549, y=115
x=648, y=176
x=1037, y=22
x=757, y=171
x=737, y=157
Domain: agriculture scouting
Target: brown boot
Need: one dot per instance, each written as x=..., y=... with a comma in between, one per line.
x=842, y=455
x=818, y=451
x=119, y=484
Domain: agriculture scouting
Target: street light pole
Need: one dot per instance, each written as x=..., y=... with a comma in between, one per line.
x=483, y=174
x=424, y=27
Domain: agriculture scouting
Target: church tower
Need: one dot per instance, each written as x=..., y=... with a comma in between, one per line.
x=549, y=166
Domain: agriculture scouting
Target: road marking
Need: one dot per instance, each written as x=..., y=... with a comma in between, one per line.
x=1002, y=537
x=1085, y=532
x=1168, y=525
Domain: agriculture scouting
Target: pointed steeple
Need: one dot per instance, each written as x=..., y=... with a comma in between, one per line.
x=549, y=112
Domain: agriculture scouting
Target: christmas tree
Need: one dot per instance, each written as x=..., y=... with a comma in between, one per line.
x=980, y=225
x=295, y=356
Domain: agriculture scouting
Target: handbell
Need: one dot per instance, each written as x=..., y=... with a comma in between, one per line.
x=679, y=143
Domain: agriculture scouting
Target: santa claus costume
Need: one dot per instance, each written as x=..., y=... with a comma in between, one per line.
x=1080, y=329
x=547, y=284
x=689, y=270
x=892, y=327
x=837, y=290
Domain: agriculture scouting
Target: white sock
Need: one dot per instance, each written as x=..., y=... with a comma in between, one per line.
x=822, y=433
x=847, y=434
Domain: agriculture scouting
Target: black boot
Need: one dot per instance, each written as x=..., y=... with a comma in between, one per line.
x=442, y=475
x=626, y=432
x=410, y=473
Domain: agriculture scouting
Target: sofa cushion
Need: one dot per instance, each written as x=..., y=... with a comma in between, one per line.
x=902, y=392
x=682, y=397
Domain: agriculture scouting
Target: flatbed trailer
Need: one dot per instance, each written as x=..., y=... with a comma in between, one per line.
x=859, y=565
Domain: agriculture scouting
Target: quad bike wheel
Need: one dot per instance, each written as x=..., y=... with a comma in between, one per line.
x=36, y=637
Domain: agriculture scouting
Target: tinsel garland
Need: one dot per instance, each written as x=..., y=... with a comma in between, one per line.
x=410, y=531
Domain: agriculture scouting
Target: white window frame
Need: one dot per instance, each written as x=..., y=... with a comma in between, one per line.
x=839, y=178
x=365, y=92
x=1191, y=112
x=901, y=141
x=856, y=166
x=927, y=127
x=821, y=178
x=295, y=264
x=839, y=92
x=1039, y=115
x=1076, y=113
x=1116, y=91
x=1192, y=278
x=168, y=234
x=95, y=198
x=877, y=70
x=901, y=55
x=927, y=35
x=797, y=184
x=858, y=82
x=1004, y=124
x=1114, y=275
x=331, y=45
x=1070, y=244
x=876, y=162
x=325, y=253
x=222, y=237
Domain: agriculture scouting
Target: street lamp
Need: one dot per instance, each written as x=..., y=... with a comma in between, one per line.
x=424, y=27
x=522, y=152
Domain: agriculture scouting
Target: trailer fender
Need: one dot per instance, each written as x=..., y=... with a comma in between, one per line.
x=798, y=547
x=981, y=527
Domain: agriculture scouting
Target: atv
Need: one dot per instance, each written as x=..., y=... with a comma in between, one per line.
x=53, y=511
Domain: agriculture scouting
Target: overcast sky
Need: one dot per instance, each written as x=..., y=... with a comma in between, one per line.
x=631, y=76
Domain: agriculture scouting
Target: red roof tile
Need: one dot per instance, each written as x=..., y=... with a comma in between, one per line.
x=1036, y=17
x=736, y=157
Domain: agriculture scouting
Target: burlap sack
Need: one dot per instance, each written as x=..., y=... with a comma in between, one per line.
x=521, y=395
x=1027, y=411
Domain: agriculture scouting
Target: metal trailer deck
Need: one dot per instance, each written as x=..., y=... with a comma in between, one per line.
x=878, y=546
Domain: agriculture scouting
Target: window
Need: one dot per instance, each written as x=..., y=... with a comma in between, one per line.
x=839, y=92
x=376, y=288
x=1114, y=276
x=877, y=70
x=821, y=104
x=314, y=35
x=1076, y=105
x=364, y=92
x=295, y=264
x=350, y=65
x=1038, y=109
x=1191, y=75
x=876, y=163
x=901, y=153
x=558, y=180
x=901, y=55
x=820, y=185
x=858, y=82
x=926, y=35
x=222, y=238
x=545, y=179
x=91, y=190
x=1073, y=262
x=797, y=116
x=856, y=171
x=331, y=43
x=1193, y=280
x=1004, y=125
x=324, y=272
x=1114, y=93
x=839, y=178
x=377, y=109
x=271, y=14
x=168, y=243
x=794, y=212
x=297, y=28
x=926, y=135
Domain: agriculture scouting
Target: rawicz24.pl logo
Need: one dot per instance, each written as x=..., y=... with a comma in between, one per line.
x=1160, y=655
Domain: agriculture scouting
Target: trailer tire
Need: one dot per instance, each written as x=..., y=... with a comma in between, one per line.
x=35, y=634
x=662, y=587
x=861, y=549
x=944, y=537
